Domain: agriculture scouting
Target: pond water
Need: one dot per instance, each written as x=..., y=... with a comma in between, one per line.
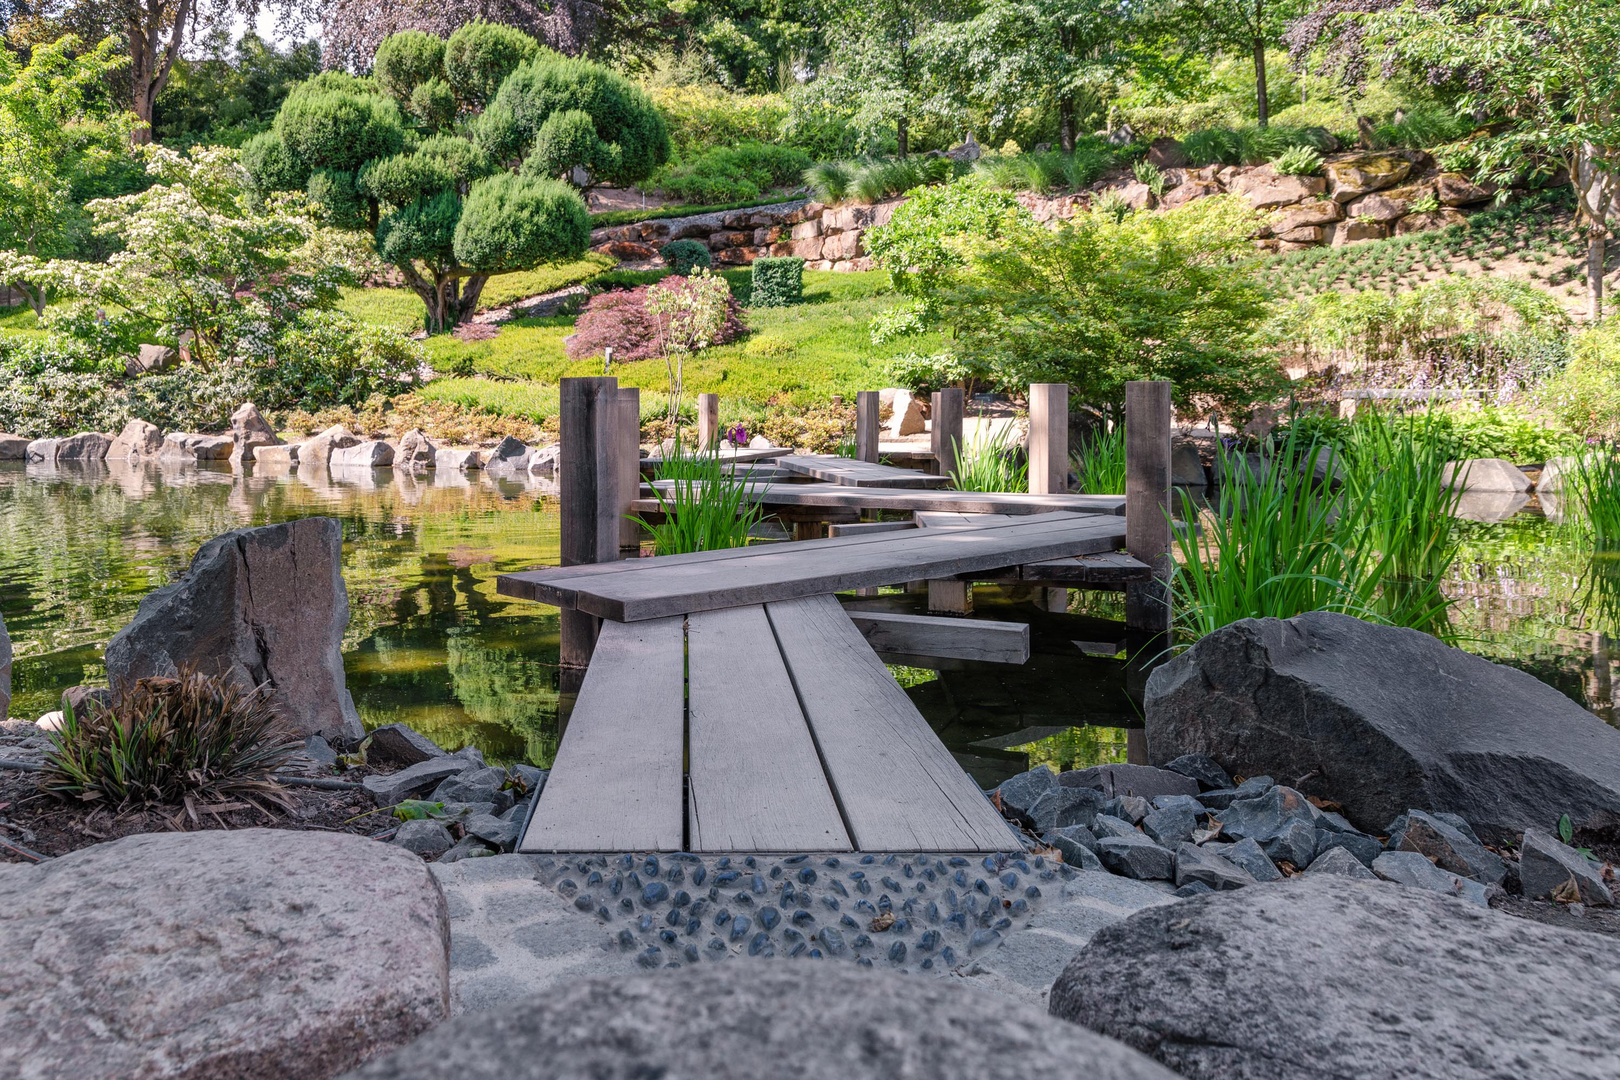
x=431, y=644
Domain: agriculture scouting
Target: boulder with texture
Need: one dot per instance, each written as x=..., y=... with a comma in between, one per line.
x=1486, y=474
x=284, y=456
x=1376, y=207
x=1120, y=780
x=1182, y=194
x=1186, y=467
x=1455, y=189
x=1554, y=472
x=392, y=789
x=1137, y=857
x=1363, y=173
x=13, y=447
x=1060, y=807
x=87, y=447
x=1549, y=867
x=510, y=456
x=250, y=430
x=41, y=451
x=457, y=460
x=1252, y=859
x=259, y=606
x=1170, y=826
x=1202, y=768
x=150, y=358
x=1195, y=864
x=185, y=446
x=1352, y=232
x=401, y=744
x=371, y=454
x=424, y=836
x=243, y=953
x=1443, y=218
x=725, y=1021
x=1266, y=190
x=1413, y=870
x=1381, y=719
x=318, y=449
x=1017, y=794
x=1446, y=846
x=416, y=451
x=1325, y=977
x=1315, y=212
x=139, y=439
x=1340, y=863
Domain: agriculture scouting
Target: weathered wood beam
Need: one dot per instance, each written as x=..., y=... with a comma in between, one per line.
x=951, y=639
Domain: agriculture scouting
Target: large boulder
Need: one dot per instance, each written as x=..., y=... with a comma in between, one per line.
x=250, y=430
x=14, y=447
x=416, y=451
x=184, y=446
x=263, y=605
x=248, y=953
x=1266, y=190
x=318, y=449
x=1486, y=475
x=1382, y=719
x=372, y=454
x=1354, y=176
x=823, y=1021
x=1325, y=976
x=139, y=439
x=86, y=446
x=151, y=358
x=41, y=451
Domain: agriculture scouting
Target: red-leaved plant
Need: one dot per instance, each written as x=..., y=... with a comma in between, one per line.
x=620, y=320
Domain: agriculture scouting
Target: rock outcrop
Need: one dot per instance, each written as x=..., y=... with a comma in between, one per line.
x=1383, y=720
x=247, y=953
x=138, y=440
x=13, y=447
x=416, y=451
x=87, y=447
x=263, y=606
x=821, y=1021
x=1325, y=976
x=1494, y=475
x=318, y=449
x=250, y=430
x=183, y=446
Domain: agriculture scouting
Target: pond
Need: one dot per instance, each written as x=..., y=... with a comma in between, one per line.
x=430, y=642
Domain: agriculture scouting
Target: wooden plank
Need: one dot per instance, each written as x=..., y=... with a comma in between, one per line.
x=970, y=502
x=1105, y=568
x=897, y=785
x=788, y=571
x=708, y=420
x=616, y=781
x=866, y=425
x=848, y=472
x=869, y=528
x=1048, y=438
x=955, y=639
x=628, y=468
x=755, y=782
x=953, y=519
x=728, y=453
x=952, y=596
x=1147, y=500
x=557, y=584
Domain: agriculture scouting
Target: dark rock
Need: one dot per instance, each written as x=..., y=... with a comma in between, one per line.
x=1364, y=848
x=1136, y=856
x=1077, y=834
x=1077, y=853
x=424, y=836
x=1106, y=826
x=1019, y=793
x=1193, y=806
x=1170, y=826
x=320, y=752
x=411, y=783
x=1192, y=888
x=248, y=952
x=1266, y=817
x=1062, y=807
x=5, y=671
x=468, y=847
x=499, y=833
x=1253, y=786
x=1141, y=780
x=1448, y=848
x=1341, y=863
x=1252, y=858
x=1195, y=864
x=1295, y=845
x=82, y=700
x=474, y=784
x=1346, y=978
x=261, y=606
x=534, y=780
x=1547, y=866
x=1383, y=719
x=400, y=744
x=724, y=1021
x=1132, y=808
x=1411, y=869
x=1202, y=768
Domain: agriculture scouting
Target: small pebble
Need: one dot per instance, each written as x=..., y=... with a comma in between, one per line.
x=740, y=927
x=651, y=958
x=897, y=952
x=655, y=892
x=691, y=953
x=769, y=917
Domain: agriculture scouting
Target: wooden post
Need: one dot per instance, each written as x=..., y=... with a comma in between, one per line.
x=708, y=418
x=866, y=425
x=946, y=427
x=1048, y=438
x=629, y=460
x=948, y=596
x=588, y=482
x=1147, y=502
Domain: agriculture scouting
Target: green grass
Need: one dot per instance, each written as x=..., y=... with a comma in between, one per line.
x=530, y=400
x=20, y=320
x=400, y=308
x=630, y=217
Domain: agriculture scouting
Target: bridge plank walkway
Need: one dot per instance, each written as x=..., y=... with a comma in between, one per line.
x=844, y=497
x=850, y=472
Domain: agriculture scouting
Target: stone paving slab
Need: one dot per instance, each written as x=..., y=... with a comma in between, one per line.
x=1005, y=924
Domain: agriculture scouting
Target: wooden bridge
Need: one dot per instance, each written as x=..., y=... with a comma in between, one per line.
x=729, y=702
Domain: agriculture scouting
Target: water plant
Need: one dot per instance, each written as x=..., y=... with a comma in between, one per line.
x=994, y=463
x=162, y=741
x=705, y=506
x=1099, y=462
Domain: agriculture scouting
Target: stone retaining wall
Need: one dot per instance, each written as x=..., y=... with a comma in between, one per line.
x=826, y=237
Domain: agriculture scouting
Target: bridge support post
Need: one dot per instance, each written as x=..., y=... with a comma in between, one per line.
x=866, y=425
x=708, y=421
x=1048, y=438
x=629, y=462
x=945, y=408
x=589, y=480
x=1147, y=503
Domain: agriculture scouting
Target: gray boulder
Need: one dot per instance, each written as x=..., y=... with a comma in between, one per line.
x=501, y=833
x=150, y=358
x=1107, y=825
x=1252, y=858
x=13, y=447
x=317, y=450
x=249, y=431
x=1547, y=866
x=1413, y=870
x=1325, y=977
x=416, y=451
x=1340, y=863
x=1195, y=864
x=1295, y=845
x=1381, y=719
x=1140, y=780
x=476, y=784
x=1170, y=826
x=725, y=1021
x=1497, y=475
x=246, y=953
x=1364, y=848
x=184, y=446
x=509, y=456
x=139, y=439
x=1017, y=794
x=1267, y=816
x=392, y=789
x=1446, y=846
x=261, y=606
x=424, y=836
x=1077, y=846
x=401, y=744
x=1137, y=857
x=1062, y=806
x=450, y=460
x=86, y=446
x=41, y=452
x=1202, y=768
x=372, y=454
x=5, y=670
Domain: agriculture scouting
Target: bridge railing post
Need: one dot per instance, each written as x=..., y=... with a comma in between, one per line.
x=708, y=421
x=589, y=481
x=1147, y=503
x=866, y=425
x=945, y=410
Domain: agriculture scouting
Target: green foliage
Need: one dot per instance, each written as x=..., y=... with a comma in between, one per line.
x=406, y=60
x=1047, y=172
x=1592, y=488
x=343, y=204
x=705, y=506
x=335, y=121
x=727, y=174
x=1499, y=431
x=480, y=55
x=701, y=118
x=1099, y=302
x=1392, y=480
x=1585, y=396
x=1149, y=175
x=925, y=374
x=1099, y=462
x=1249, y=144
x=433, y=104
x=778, y=282
x=633, y=135
x=224, y=98
x=511, y=222
x=995, y=463
x=332, y=358
x=406, y=178
x=684, y=256
x=1298, y=161
x=162, y=741
x=567, y=139
x=872, y=179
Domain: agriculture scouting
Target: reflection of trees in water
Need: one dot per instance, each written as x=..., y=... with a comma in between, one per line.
x=510, y=685
x=1077, y=748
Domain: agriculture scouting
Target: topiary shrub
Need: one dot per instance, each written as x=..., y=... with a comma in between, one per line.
x=777, y=282
x=565, y=141
x=480, y=55
x=405, y=61
x=620, y=320
x=684, y=256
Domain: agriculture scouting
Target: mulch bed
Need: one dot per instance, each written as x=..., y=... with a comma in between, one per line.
x=34, y=824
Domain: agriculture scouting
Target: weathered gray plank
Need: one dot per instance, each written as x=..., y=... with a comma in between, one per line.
x=945, y=427
x=971, y=502
x=786, y=571
x=866, y=425
x=955, y=519
x=588, y=481
x=898, y=787
x=953, y=639
x=848, y=472
x=869, y=528
x=616, y=782
x=755, y=781
x=1105, y=568
x=708, y=420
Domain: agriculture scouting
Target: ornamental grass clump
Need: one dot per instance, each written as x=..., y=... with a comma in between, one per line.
x=1099, y=462
x=995, y=463
x=163, y=741
x=705, y=506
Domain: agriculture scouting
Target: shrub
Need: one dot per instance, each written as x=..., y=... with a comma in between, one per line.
x=1586, y=394
x=338, y=122
x=923, y=375
x=733, y=173
x=620, y=319
x=1499, y=431
x=567, y=139
x=51, y=387
x=684, y=256
x=191, y=397
x=480, y=55
x=1049, y=171
x=405, y=61
x=699, y=118
x=777, y=282
x=871, y=179
x=515, y=222
x=332, y=358
x=1298, y=161
x=163, y=740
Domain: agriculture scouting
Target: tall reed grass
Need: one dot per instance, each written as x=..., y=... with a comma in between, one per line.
x=1099, y=462
x=996, y=463
x=706, y=507
x=1591, y=491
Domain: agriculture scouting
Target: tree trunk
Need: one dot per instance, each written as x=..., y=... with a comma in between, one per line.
x=902, y=130
x=1066, y=123
x=1596, y=251
x=470, y=292
x=150, y=59
x=1262, y=105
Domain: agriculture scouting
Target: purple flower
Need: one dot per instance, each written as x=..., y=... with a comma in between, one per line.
x=738, y=436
